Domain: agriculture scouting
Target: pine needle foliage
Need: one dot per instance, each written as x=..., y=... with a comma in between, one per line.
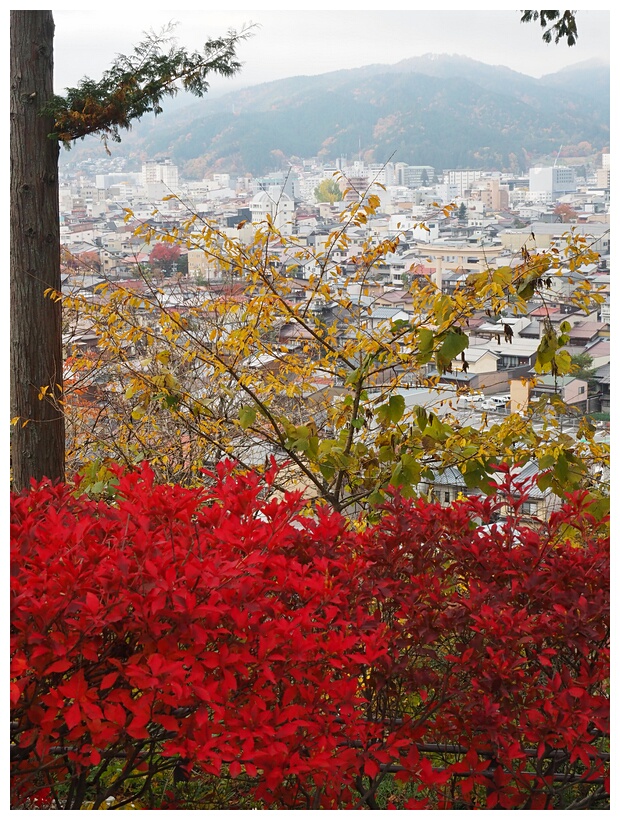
x=137, y=83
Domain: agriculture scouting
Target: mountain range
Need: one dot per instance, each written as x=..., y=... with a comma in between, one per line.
x=446, y=111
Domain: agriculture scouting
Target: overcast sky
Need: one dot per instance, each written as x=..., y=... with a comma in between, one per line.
x=292, y=42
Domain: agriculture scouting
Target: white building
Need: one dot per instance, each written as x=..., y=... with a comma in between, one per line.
x=381, y=173
x=413, y=176
x=160, y=177
x=463, y=179
x=548, y=184
x=308, y=184
x=421, y=230
x=104, y=182
x=222, y=180
x=278, y=205
x=65, y=198
x=447, y=192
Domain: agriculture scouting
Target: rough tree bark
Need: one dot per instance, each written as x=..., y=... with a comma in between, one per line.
x=37, y=444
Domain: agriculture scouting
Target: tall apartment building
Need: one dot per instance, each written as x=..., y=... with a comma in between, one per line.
x=463, y=179
x=492, y=194
x=548, y=184
x=603, y=174
x=381, y=173
x=355, y=188
x=413, y=176
x=602, y=177
x=160, y=177
x=287, y=181
x=278, y=205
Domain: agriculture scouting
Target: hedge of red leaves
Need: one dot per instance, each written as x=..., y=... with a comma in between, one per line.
x=427, y=661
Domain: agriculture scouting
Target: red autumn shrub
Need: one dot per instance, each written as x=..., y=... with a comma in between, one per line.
x=499, y=649
x=425, y=662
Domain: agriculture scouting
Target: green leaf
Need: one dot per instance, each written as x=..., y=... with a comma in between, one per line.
x=425, y=342
x=247, y=417
x=544, y=481
x=353, y=377
x=411, y=468
x=421, y=417
x=376, y=498
x=171, y=401
x=547, y=347
x=561, y=468
x=386, y=454
x=396, y=477
x=503, y=276
x=563, y=362
x=327, y=471
x=526, y=291
x=453, y=345
x=392, y=411
x=313, y=447
x=600, y=508
x=400, y=325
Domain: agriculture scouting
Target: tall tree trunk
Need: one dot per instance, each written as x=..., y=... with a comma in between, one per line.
x=37, y=439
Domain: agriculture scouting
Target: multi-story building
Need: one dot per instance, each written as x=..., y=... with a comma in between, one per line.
x=413, y=176
x=461, y=257
x=603, y=176
x=355, y=188
x=103, y=182
x=545, y=234
x=286, y=181
x=160, y=177
x=278, y=205
x=492, y=194
x=381, y=173
x=464, y=179
x=548, y=184
x=222, y=180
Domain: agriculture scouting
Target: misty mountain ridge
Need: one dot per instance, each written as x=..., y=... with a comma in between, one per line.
x=447, y=111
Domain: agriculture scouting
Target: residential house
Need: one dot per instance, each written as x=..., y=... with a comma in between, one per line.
x=571, y=390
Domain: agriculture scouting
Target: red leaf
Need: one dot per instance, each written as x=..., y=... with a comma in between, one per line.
x=137, y=728
x=371, y=768
x=58, y=666
x=73, y=716
x=576, y=691
x=108, y=680
x=92, y=603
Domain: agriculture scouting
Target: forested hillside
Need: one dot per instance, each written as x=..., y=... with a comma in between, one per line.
x=443, y=111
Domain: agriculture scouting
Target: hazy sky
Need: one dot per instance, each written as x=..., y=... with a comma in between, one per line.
x=292, y=42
